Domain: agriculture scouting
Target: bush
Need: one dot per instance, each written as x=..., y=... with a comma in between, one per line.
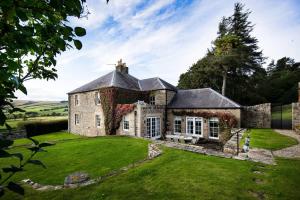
x=34, y=128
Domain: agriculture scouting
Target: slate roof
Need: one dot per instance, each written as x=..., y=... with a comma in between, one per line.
x=155, y=84
x=126, y=81
x=201, y=98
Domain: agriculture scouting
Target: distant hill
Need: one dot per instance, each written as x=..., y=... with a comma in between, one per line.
x=40, y=108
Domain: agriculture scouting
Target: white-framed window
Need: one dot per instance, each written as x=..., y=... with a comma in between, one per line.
x=152, y=100
x=177, y=125
x=194, y=126
x=76, y=100
x=76, y=119
x=153, y=127
x=125, y=124
x=97, y=120
x=214, y=128
x=97, y=98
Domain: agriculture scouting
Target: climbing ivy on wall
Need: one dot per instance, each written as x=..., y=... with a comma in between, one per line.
x=117, y=102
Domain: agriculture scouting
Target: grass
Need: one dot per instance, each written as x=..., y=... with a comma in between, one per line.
x=268, y=139
x=184, y=175
x=51, y=137
x=96, y=156
x=175, y=174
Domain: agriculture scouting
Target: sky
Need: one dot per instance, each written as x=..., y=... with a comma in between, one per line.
x=162, y=38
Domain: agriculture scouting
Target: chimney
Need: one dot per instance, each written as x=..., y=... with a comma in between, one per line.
x=121, y=67
x=299, y=92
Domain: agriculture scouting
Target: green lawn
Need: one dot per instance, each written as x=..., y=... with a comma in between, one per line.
x=175, y=174
x=268, y=139
x=96, y=156
x=51, y=137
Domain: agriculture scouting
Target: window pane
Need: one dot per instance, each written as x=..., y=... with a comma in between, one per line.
x=198, y=126
x=177, y=126
x=190, y=125
x=214, y=127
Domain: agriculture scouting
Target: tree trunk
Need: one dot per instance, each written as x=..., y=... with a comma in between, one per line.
x=224, y=83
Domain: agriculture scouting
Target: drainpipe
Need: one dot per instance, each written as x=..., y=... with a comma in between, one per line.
x=166, y=115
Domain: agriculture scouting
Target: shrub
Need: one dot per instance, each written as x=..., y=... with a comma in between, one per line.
x=34, y=128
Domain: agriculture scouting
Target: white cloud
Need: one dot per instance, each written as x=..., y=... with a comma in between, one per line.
x=164, y=44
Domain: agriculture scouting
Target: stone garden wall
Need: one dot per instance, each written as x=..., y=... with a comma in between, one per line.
x=296, y=116
x=258, y=116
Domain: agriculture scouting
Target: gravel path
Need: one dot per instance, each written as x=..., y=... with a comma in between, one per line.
x=289, y=152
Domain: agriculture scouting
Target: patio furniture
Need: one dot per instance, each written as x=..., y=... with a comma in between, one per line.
x=182, y=139
x=169, y=137
x=175, y=138
x=188, y=139
x=195, y=140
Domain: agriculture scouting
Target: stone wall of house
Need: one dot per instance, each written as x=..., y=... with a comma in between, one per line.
x=257, y=116
x=87, y=111
x=171, y=117
x=132, y=119
x=163, y=97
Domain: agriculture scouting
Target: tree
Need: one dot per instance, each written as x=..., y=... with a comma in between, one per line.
x=234, y=56
x=32, y=34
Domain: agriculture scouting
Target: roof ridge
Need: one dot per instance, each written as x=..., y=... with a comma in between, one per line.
x=236, y=104
x=113, y=78
x=161, y=83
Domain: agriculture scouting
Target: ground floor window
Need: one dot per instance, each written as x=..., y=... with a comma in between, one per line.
x=194, y=126
x=76, y=119
x=177, y=125
x=153, y=127
x=125, y=123
x=98, y=121
x=214, y=128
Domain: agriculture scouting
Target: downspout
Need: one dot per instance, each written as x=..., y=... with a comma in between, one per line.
x=166, y=115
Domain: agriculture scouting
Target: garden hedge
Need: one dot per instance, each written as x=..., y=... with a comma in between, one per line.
x=43, y=127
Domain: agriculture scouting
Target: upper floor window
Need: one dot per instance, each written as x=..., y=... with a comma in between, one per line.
x=214, y=128
x=98, y=121
x=177, y=125
x=76, y=100
x=97, y=98
x=152, y=100
x=125, y=123
x=76, y=119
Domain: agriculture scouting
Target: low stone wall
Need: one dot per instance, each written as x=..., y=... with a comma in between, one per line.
x=258, y=116
x=296, y=116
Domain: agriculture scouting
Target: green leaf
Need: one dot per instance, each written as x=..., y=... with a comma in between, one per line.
x=22, y=88
x=4, y=154
x=34, y=141
x=5, y=143
x=77, y=44
x=18, y=155
x=12, y=168
x=37, y=162
x=79, y=31
x=45, y=144
x=15, y=188
x=22, y=15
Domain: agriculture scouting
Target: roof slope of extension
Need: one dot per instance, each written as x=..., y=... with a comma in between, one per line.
x=201, y=98
x=126, y=81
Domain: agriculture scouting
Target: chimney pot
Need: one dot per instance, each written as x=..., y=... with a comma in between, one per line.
x=121, y=67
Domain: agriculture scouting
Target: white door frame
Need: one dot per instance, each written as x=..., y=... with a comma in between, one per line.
x=154, y=119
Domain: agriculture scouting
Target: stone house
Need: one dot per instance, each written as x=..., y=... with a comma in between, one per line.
x=118, y=103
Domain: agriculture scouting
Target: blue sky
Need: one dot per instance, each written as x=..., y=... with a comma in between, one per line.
x=162, y=38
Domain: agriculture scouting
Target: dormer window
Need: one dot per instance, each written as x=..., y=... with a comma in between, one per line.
x=152, y=100
x=76, y=100
x=97, y=98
